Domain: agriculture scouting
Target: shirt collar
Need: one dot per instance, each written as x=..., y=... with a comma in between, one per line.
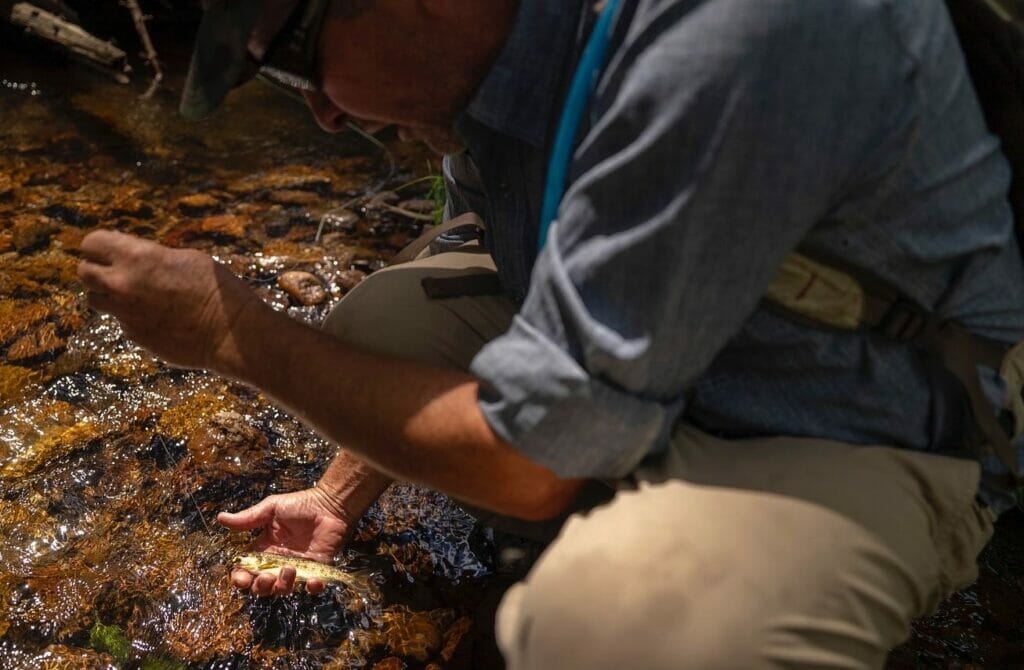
x=518, y=96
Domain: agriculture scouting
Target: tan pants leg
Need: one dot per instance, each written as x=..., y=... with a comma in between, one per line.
x=767, y=553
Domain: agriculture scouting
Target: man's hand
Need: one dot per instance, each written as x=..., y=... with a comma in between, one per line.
x=178, y=303
x=294, y=524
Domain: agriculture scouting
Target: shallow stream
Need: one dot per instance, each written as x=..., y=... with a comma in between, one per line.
x=113, y=465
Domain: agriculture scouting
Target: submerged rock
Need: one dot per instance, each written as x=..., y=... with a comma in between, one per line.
x=31, y=231
x=42, y=342
x=197, y=203
x=304, y=287
x=294, y=198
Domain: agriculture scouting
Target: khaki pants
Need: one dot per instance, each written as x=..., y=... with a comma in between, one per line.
x=761, y=553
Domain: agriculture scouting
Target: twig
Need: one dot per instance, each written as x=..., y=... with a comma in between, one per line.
x=405, y=212
x=139, y=19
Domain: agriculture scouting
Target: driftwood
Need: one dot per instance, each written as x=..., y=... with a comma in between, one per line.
x=67, y=35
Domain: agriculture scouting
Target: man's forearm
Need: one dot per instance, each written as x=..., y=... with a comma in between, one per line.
x=410, y=421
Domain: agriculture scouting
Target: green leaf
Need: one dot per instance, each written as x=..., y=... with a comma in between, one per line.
x=439, y=195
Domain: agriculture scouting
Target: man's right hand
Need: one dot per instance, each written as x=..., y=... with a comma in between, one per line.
x=301, y=524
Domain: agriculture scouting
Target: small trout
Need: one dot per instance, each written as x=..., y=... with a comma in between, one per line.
x=305, y=570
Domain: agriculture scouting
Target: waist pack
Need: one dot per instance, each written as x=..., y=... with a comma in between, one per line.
x=991, y=33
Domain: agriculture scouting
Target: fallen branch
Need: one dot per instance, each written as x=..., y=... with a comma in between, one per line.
x=53, y=28
x=139, y=19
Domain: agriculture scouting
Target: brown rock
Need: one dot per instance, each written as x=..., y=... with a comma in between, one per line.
x=225, y=225
x=349, y=279
x=303, y=287
x=453, y=637
x=197, y=203
x=17, y=318
x=294, y=198
x=389, y=663
x=6, y=242
x=291, y=177
x=31, y=232
x=43, y=341
x=69, y=238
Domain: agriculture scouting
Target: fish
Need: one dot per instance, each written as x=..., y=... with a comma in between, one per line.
x=260, y=561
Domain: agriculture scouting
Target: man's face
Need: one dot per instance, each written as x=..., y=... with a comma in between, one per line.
x=399, y=63
x=383, y=68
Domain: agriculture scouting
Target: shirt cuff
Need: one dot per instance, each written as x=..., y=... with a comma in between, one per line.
x=541, y=401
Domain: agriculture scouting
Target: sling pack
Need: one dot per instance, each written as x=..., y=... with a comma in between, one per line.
x=992, y=36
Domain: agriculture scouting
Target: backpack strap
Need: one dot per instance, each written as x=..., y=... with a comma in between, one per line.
x=849, y=299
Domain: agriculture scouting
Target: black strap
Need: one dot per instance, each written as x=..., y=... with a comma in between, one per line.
x=439, y=288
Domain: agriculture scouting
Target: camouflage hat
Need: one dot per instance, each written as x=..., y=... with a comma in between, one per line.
x=220, y=57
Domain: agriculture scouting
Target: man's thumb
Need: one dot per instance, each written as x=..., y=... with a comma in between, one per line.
x=257, y=516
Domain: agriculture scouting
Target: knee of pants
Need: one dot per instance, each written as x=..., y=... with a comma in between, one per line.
x=389, y=314
x=682, y=576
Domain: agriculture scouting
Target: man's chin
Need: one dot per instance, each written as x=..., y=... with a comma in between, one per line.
x=440, y=141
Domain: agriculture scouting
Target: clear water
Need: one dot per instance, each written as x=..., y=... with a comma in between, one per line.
x=111, y=465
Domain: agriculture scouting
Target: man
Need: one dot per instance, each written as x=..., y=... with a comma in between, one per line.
x=775, y=506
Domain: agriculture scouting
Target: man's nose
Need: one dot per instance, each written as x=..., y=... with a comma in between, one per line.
x=326, y=113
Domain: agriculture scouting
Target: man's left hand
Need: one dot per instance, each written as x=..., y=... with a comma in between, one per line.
x=178, y=303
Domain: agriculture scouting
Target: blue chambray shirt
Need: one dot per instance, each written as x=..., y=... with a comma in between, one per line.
x=723, y=134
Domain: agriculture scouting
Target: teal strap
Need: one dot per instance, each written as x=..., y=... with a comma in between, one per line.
x=584, y=81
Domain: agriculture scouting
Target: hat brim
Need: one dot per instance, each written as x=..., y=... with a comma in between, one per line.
x=220, y=56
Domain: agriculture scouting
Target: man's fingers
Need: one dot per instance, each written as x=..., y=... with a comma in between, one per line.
x=263, y=585
x=314, y=586
x=100, y=246
x=285, y=581
x=101, y=302
x=241, y=579
x=257, y=516
x=94, y=275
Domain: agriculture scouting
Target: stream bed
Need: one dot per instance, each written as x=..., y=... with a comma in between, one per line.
x=114, y=465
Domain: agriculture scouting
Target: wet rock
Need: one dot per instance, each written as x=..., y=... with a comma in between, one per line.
x=15, y=381
x=220, y=228
x=226, y=441
x=31, y=232
x=43, y=342
x=197, y=204
x=60, y=657
x=349, y=279
x=7, y=186
x=341, y=219
x=225, y=225
x=290, y=177
x=191, y=416
x=294, y=198
x=69, y=238
x=6, y=242
x=17, y=317
x=453, y=637
x=303, y=287
x=390, y=663
x=80, y=215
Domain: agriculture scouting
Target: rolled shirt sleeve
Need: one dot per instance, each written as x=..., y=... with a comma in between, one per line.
x=717, y=140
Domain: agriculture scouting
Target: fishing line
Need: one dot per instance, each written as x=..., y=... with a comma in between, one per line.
x=170, y=459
